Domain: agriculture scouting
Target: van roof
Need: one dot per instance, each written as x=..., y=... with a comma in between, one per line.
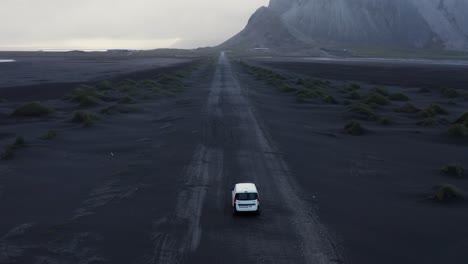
x=246, y=187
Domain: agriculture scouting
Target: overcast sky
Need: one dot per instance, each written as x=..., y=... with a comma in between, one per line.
x=132, y=24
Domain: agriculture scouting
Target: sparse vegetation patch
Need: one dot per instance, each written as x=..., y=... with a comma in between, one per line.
x=381, y=91
x=424, y=90
x=450, y=92
x=458, y=131
x=398, y=97
x=386, y=121
x=447, y=193
x=7, y=153
x=432, y=110
x=455, y=170
x=428, y=122
x=85, y=96
x=376, y=98
x=104, y=85
x=463, y=119
x=49, y=135
x=354, y=95
x=87, y=119
x=19, y=141
x=33, y=109
x=354, y=128
x=408, y=108
x=363, y=110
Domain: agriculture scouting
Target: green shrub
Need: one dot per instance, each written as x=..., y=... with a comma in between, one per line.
x=49, y=135
x=286, y=88
x=458, y=131
x=451, y=93
x=125, y=100
x=129, y=82
x=347, y=102
x=85, y=95
x=148, y=84
x=463, y=119
x=432, y=110
x=354, y=86
x=380, y=90
x=455, y=170
x=118, y=108
x=168, y=78
x=446, y=193
x=329, y=99
x=407, y=108
x=376, y=98
x=19, y=141
x=87, y=119
x=355, y=95
x=428, y=122
x=354, y=128
x=104, y=85
x=424, y=90
x=306, y=94
x=385, y=121
x=33, y=109
x=7, y=153
x=363, y=110
x=398, y=97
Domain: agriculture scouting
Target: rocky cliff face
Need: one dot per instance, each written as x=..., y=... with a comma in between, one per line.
x=390, y=23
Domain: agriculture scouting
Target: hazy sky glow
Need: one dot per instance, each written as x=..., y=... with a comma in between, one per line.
x=132, y=24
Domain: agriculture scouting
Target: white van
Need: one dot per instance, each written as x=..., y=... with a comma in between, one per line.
x=245, y=198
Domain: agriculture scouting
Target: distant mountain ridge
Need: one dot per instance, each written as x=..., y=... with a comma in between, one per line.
x=439, y=24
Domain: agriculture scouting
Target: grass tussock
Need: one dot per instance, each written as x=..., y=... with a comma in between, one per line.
x=7, y=153
x=408, y=108
x=463, y=119
x=424, y=90
x=385, y=121
x=398, y=97
x=51, y=134
x=354, y=128
x=458, y=131
x=447, y=193
x=380, y=90
x=33, y=109
x=86, y=96
x=354, y=87
x=310, y=88
x=85, y=118
x=363, y=110
x=354, y=95
x=19, y=141
x=376, y=98
x=428, y=122
x=329, y=99
x=126, y=100
x=454, y=169
x=432, y=111
x=104, y=86
x=118, y=109
x=450, y=93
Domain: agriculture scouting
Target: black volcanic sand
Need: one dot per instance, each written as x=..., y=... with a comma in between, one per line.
x=433, y=74
x=100, y=186
x=43, y=78
x=152, y=185
x=373, y=190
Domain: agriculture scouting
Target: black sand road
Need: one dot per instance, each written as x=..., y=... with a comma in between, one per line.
x=154, y=186
x=234, y=148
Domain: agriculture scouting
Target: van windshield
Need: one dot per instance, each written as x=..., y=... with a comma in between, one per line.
x=246, y=196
